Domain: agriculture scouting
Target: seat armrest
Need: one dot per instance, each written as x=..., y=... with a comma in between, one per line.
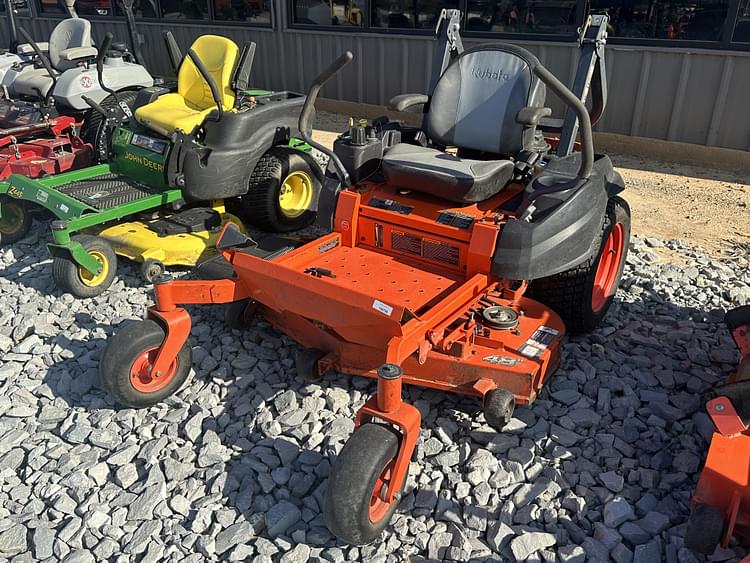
x=532, y=115
x=404, y=101
x=27, y=49
x=77, y=53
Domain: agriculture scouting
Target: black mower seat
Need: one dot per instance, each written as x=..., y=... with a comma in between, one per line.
x=444, y=175
x=488, y=100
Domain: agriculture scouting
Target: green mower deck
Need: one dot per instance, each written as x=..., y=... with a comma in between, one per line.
x=83, y=199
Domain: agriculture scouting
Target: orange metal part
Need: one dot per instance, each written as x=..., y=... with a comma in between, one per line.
x=389, y=394
x=408, y=420
x=725, y=483
x=177, y=325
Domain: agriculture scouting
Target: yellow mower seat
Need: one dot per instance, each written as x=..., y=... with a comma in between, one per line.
x=188, y=107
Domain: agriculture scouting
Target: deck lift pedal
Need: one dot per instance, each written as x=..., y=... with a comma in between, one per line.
x=721, y=503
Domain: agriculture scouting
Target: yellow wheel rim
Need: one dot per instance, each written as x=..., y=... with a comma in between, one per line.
x=12, y=219
x=296, y=194
x=93, y=280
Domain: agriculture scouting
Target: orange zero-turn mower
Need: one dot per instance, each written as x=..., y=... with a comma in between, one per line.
x=721, y=503
x=453, y=269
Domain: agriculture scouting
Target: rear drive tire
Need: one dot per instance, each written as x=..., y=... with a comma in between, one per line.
x=124, y=368
x=283, y=187
x=582, y=295
x=354, y=511
x=93, y=130
x=15, y=220
x=705, y=529
x=73, y=279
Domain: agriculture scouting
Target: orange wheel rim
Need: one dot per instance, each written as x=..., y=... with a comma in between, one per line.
x=141, y=377
x=605, y=280
x=378, y=507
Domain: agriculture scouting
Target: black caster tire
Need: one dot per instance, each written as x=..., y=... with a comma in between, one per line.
x=94, y=131
x=150, y=269
x=583, y=294
x=124, y=368
x=73, y=279
x=283, y=187
x=498, y=406
x=239, y=314
x=354, y=511
x=306, y=362
x=15, y=220
x=705, y=529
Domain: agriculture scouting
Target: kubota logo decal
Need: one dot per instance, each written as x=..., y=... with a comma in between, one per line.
x=489, y=74
x=86, y=82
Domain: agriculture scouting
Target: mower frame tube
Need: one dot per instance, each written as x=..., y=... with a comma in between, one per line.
x=176, y=320
x=308, y=112
x=584, y=121
x=12, y=29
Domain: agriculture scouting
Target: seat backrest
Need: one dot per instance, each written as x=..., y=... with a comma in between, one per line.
x=220, y=56
x=69, y=33
x=478, y=97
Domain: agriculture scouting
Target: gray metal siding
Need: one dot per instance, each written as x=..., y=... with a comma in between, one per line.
x=693, y=96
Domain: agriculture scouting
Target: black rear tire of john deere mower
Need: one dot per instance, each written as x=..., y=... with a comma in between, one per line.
x=571, y=293
x=73, y=279
x=15, y=220
x=261, y=204
x=705, y=529
x=93, y=127
x=352, y=482
x=124, y=366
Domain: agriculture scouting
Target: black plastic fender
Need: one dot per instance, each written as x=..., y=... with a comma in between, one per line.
x=328, y=199
x=221, y=166
x=565, y=229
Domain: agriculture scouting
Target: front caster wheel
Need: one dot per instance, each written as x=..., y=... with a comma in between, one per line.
x=77, y=280
x=354, y=507
x=125, y=366
x=705, y=529
x=498, y=408
x=150, y=269
x=15, y=220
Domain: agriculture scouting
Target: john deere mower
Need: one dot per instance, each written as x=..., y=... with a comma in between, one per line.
x=174, y=157
x=457, y=255
x=721, y=503
x=46, y=124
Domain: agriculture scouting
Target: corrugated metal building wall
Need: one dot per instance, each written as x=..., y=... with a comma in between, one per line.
x=695, y=96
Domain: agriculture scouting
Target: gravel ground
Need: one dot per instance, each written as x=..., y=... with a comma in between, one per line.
x=235, y=466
